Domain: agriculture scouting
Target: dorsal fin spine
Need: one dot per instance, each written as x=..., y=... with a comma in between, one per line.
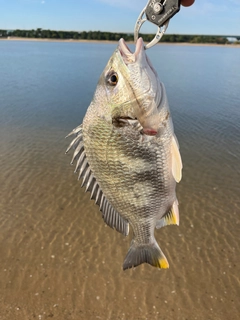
x=83, y=168
x=94, y=189
x=78, y=150
x=79, y=162
x=86, y=176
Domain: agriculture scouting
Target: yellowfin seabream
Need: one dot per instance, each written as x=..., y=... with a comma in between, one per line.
x=127, y=153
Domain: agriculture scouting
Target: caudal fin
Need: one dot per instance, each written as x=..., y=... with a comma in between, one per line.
x=149, y=253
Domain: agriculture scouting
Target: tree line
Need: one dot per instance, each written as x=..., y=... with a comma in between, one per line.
x=110, y=36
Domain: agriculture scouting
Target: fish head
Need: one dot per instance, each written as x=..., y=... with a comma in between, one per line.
x=131, y=88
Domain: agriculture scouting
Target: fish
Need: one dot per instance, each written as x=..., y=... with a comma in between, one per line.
x=127, y=154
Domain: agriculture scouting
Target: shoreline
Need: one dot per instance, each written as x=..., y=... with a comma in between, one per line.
x=115, y=42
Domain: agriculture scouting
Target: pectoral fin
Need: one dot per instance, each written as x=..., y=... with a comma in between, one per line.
x=176, y=160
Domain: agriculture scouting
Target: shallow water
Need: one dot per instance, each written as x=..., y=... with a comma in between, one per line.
x=57, y=257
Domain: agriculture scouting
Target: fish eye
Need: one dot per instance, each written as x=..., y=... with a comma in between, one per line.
x=112, y=79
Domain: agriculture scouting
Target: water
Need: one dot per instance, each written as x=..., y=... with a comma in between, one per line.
x=57, y=257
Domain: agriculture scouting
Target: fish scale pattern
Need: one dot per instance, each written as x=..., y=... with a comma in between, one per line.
x=132, y=174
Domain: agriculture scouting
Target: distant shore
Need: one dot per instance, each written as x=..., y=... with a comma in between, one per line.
x=115, y=42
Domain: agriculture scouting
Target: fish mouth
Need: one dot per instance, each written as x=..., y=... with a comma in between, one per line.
x=144, y=66
x=129, y=56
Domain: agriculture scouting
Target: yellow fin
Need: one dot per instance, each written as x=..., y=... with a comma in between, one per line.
x=149, y=253
x=164, y=263
x=172, y=217
x=176, y=160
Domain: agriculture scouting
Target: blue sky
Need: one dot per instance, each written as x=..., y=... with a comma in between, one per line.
x=220, y=17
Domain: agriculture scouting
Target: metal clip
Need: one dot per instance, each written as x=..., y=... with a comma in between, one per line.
x=159, y=13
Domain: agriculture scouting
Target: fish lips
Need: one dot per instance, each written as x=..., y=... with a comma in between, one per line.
x=139, y=55
x=128, y=56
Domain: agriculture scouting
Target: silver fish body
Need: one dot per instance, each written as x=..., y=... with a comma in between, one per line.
x=127, y=153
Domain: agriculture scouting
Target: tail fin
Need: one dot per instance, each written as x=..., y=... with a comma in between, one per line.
x=149, y=253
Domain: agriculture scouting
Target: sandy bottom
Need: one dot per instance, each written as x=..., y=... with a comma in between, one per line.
x=58, y=259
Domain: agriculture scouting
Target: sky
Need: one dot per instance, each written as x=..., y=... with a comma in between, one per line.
x=216, y=17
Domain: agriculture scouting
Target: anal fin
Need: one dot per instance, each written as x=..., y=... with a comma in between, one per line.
x=113, y=219
x=172, y=217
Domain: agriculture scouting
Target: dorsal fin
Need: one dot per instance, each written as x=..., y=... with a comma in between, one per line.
x=111, y=217
x=172, y=217
x=176, y=160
